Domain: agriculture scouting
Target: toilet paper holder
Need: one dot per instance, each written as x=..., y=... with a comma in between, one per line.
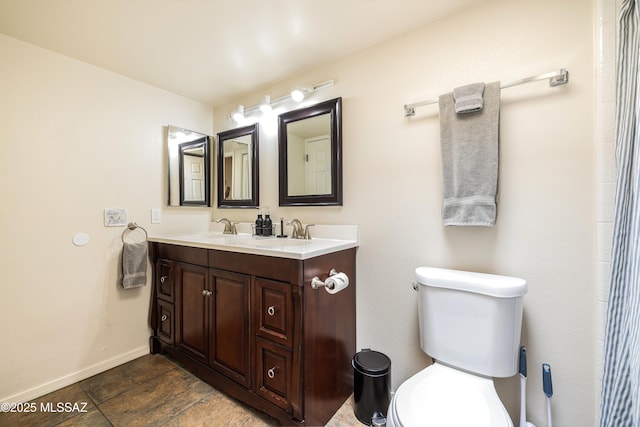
x=316, y=283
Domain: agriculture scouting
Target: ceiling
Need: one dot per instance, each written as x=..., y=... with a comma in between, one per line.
x=214, y=50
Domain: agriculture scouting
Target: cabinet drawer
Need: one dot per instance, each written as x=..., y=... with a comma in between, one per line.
x=274, y=311
x=190, y=255
x=165, y=279
x=166, y=325
x=273, y=373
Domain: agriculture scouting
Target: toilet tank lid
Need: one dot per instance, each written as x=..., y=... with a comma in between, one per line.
x=481, y=283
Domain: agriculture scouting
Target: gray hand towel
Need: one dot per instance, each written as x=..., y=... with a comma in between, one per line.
x=134, y=265
x=469, y=98
x=469, y=150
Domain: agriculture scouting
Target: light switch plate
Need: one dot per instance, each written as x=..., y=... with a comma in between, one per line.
x=156, y=216
x=115, y=217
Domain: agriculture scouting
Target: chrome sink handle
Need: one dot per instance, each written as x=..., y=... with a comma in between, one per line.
x=307, y=234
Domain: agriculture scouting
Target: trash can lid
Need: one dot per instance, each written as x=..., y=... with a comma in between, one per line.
x=372, y=362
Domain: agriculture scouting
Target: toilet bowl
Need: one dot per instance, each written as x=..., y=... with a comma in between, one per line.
x=470, y=324
x=443, y=396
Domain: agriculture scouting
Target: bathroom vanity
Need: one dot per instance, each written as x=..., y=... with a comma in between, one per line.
x=241, y=314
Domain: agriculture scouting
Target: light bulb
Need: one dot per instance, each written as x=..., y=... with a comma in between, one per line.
x=297, y=95
x=238, y=114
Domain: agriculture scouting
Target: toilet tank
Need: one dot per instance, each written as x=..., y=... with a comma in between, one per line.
x=470, y=320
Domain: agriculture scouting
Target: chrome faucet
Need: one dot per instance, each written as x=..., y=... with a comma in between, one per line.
x=298, y=231
x=229, y=227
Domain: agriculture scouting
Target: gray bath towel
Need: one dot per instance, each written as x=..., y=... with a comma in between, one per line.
x=469, y=150
x=134, y=265
x=469, y=98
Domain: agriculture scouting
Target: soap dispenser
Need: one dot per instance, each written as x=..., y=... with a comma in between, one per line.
x=267, y=225
x=259, y=223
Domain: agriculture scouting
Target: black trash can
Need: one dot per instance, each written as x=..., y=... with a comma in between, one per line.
x=371, y=386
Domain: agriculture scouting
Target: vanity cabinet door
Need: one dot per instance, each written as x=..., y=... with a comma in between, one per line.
x=192, y=304
x=273, y=373
x=274, y=311
x=230, y=337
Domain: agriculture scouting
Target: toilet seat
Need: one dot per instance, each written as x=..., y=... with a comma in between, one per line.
x=442, y=396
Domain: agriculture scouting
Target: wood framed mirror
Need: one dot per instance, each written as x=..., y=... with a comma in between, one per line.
x=238, y=178
x=310, y=155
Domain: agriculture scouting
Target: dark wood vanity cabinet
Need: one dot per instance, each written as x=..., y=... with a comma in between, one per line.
x=252, y=326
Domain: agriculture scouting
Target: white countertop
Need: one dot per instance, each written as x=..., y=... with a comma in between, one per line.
x=259, y=245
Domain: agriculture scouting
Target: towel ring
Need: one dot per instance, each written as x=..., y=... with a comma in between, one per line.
x=132, y=226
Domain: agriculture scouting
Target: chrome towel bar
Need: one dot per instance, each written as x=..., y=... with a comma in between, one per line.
x=556, y=78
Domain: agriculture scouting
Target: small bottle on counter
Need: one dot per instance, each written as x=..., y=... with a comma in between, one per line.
x=267, y=224
x=259, y=223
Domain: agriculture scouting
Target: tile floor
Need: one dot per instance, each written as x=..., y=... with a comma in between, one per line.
x=149, y=391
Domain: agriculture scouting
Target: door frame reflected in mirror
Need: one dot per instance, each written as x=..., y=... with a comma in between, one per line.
x=253, y=201
x=333, y=108
x=185, y=147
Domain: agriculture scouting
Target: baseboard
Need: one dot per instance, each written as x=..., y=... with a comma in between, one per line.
x=74, y=377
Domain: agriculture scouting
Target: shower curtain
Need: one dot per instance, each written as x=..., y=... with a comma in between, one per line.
x=620, y=405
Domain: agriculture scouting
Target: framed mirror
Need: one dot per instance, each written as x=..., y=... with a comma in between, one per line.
x=310, y=155
x=238, y=183
x=189, y=168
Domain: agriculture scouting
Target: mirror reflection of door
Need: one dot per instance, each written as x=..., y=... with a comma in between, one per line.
x=309, y=156
x=193, y=160
x=318, y=165
x=193, y=175
x=237, y=170
x=238, y=167
x=228, y=173
x=245, y=176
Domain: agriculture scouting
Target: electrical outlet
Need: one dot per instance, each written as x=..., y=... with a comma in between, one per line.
x=156, y=216
x=115, y=217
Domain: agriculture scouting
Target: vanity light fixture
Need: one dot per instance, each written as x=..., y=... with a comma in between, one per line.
x=296, y=95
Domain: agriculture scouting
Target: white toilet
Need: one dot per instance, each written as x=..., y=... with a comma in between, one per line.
x=470, y=324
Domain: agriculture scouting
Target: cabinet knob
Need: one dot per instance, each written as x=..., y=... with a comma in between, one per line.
x=164, y=317
x=163, y=279
x=271, y=373
x=206, y=293
x=271, y=310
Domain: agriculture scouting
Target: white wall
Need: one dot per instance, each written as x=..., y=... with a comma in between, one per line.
x=547, y=218
x=76, y=139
